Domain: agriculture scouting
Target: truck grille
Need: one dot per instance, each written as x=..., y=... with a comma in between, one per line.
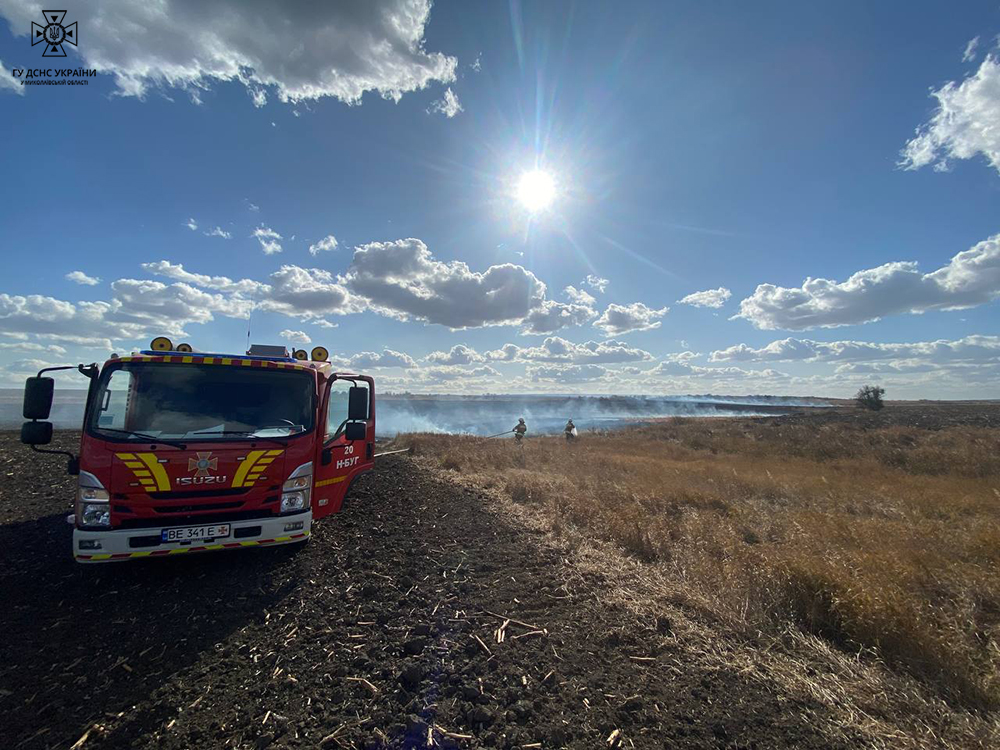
x=192, y=520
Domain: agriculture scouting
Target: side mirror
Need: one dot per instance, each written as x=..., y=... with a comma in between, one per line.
x=357, y=403
x=38, y=398
x=36, y=433
x=356, y=431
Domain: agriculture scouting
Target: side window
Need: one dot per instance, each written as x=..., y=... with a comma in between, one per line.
x=336, y=413
x=112, y=410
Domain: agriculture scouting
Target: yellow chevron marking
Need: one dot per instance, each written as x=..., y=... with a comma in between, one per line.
x=187, y=360
x=245, y=362
x=162, y=480
x=178, y=551
x=226, y=361
x=134, y=464
x=245, y=467
x=209, y=360
x=325, y=482
x=126, y=456
x=282, y=539
x=215, y=546
x=101, y=557
x=276, y=452
x=141, y=554
x=142, y=473
x=248, y=544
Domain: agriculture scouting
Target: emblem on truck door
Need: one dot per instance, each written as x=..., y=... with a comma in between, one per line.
x=203, y=463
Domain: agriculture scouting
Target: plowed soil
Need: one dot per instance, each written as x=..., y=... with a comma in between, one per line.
x=382, y=631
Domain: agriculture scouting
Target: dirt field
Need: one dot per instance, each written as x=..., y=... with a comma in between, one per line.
x=383, y=632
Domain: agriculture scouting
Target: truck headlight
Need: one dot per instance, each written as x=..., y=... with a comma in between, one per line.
x=92, y=502
x=293, y=501
x=295, y=490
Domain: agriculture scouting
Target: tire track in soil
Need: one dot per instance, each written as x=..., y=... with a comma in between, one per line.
x=375, y=634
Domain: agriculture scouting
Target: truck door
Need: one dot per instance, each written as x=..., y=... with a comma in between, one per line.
x=340, y=459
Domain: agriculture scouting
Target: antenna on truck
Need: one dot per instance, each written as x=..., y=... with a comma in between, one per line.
x=253, y=301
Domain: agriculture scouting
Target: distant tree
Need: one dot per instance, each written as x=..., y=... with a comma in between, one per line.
x=870, y=397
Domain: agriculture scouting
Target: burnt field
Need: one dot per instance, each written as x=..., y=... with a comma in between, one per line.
x=460, y=600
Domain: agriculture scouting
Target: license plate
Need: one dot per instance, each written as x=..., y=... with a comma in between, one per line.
x=195, y=533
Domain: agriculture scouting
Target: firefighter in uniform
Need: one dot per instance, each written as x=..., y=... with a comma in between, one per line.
x=570, y=431
x=519, y=429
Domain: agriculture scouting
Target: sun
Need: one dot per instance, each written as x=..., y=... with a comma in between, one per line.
x=536, y=190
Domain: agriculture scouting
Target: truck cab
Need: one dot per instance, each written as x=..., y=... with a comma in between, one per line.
x=185, y=452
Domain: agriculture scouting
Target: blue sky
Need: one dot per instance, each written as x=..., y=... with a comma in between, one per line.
x=727, y=149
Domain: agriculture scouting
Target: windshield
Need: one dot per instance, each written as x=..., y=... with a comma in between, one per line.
x=141, y=401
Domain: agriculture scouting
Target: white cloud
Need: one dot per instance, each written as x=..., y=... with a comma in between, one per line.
x=81, y=278
x=295, y=337
x=221, y=283
x=555, y=349
x=971, y=278
x=308, y=293
x=387, y=358
x=970, y=50
x=252, y=206
x=596, y=282
x=27, y=346
x=967, y=349
x=303, y=50
x=964, y=124
x=268, y=240
x=708, y=298
x=459, y=354
x=191, y=224
x=323, y=323
x=449, y=106
x=325, y=245
x=619, y=319
x=567, y=373
x=403, y=280
x=7, y=81
x=219, y=232
x=551, y=316
x=579, y=296
x=477, y=64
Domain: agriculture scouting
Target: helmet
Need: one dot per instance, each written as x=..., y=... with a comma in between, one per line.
x=521, y=420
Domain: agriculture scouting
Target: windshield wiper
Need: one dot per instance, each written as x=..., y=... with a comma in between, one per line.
x=145, y=436
x=246, y=433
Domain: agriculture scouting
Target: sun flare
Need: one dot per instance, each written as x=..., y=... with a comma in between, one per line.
x=536, y=190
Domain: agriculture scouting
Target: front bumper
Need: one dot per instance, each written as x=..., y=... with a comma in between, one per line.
x=131, y=544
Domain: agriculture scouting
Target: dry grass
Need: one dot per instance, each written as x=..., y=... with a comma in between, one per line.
x=884, y=541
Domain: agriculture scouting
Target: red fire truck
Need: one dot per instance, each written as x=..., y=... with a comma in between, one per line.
x=187, y=452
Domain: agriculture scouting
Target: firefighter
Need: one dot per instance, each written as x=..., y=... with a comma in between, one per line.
x=519, y=429
x=570, y=431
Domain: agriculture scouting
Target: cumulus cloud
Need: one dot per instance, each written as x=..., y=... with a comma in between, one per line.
x=81, y=278
x=402, y=279
x=964, y=124
x=323, y=323
x=596, y=282
x=307, y=293
x=221, y=283
x=325, y=245
x=295, y=337
x=708, y=298
x=566, y=373
x=219, y=232
x=268, y=239
x=8, y=82
x=619, y=319
x=387, y=358
x=579, y=296
x=448, y=105
x=300, y=50
x=551, y=316
x=555, y=349
x=967, y=349
x=459, y=354
x=971, y=278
